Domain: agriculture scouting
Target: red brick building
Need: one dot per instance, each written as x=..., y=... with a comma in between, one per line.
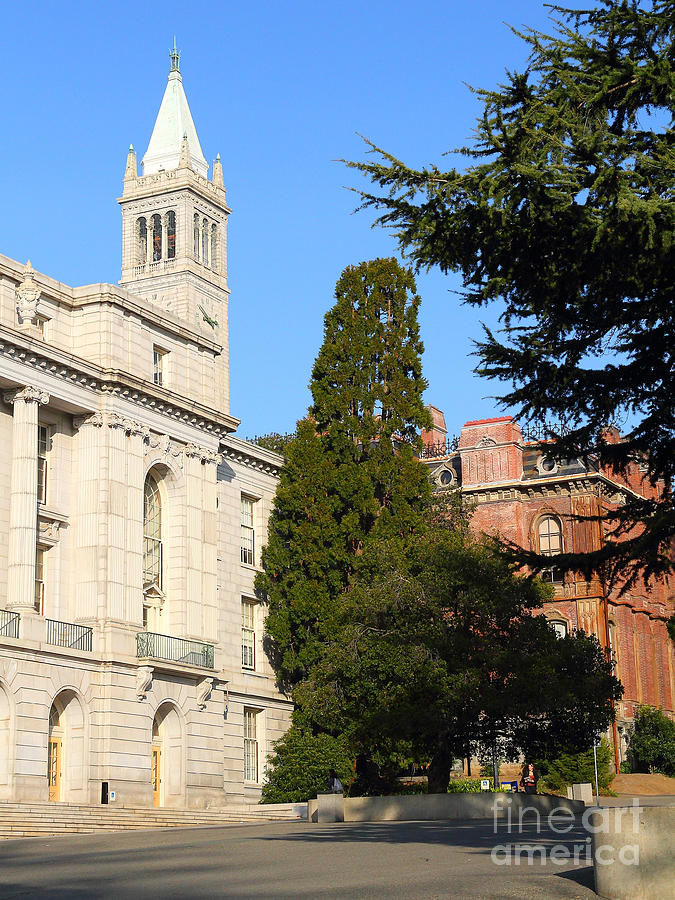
x=524, y=493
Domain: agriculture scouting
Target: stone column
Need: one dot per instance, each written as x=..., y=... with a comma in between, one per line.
x=23, y=497
x=89, y=527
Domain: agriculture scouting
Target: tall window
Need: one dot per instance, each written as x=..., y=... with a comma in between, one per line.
x=152, y=536
x=250, y=745
x=550, y=544
x=196, y=236
x=205, y=242
x=40, y=581
x=248, y=634
x=247, y=530
x=141, y=242
x=171, y=235
x=156, y=235
x=159, y=365
x=214, y=246
x=43, y=444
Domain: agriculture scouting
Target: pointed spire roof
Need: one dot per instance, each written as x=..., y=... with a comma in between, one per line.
x=174, y=121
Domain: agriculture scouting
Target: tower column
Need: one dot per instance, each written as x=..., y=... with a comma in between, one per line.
x=23, y=496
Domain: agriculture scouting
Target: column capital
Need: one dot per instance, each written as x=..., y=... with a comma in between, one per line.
x=28, y=394
x=95, y=419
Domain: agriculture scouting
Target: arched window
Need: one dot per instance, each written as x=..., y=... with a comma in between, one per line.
x=549, y=534
x=205, y=242
x=214, y=247
x=156, y=237
x=559, y=626
x=196, y=236
x=141, y=242
x=171, y=235
x=152, y=536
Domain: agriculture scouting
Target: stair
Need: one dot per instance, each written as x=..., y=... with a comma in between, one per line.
x=41, y=819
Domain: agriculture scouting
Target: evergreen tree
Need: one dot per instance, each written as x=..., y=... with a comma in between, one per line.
x=351, y=470
x=436, y=649
x=566, y=215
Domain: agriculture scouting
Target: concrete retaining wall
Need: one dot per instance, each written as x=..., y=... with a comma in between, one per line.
x=633, y=852
x=421, y=807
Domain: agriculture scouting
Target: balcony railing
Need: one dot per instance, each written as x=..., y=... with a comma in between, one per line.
x=9, y=623
x=64, y=634
x=173, y=649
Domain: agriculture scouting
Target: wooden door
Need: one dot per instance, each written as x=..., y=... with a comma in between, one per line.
x=156, y=774
x=54, y=768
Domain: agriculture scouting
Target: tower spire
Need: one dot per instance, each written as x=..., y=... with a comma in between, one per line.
x=174, y=55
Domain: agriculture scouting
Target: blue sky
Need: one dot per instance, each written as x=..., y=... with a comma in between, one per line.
x=281, y=91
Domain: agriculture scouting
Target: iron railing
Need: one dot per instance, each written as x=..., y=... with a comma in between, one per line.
x=9, y=623
x=65, y=634
x=440, y=448
x=173, y=649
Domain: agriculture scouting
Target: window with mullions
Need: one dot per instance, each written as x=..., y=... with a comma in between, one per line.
x=247, y=530
x=40, y=581
x=152, y=536
x=248, y=634
x=250, y=745
x=550, y=544
x=43, y=445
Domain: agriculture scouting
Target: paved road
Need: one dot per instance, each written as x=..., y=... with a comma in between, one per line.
x=411, y=860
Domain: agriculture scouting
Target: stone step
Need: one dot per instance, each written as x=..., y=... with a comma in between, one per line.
x=42, y=819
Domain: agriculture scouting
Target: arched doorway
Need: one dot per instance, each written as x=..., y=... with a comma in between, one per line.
x=66, y=749
x=167, y=757
x=6, y=745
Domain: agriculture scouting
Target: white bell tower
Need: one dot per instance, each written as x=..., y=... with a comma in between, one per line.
x=174, y=221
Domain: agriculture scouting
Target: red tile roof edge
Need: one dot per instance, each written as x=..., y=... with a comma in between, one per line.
x=489, y=421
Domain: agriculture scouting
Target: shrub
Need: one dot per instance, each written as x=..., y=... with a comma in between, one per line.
x=470, y=786
x=298, y=768
x=652, y=742
x=575, y=768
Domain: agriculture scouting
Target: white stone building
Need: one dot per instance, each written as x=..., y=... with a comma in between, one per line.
x=131, y=518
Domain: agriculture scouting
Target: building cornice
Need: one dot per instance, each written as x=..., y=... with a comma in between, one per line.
x=111, y=295
x=251, y=455
x=64, y=366
x=595, y=483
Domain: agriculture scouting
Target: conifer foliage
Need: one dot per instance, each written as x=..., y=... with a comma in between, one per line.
x=351, y=470
x=566, y=215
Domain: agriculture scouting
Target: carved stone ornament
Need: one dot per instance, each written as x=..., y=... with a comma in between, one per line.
x=204, y=688
x=27, y=297
x=165, y=445
x=27, y=394
x=203, y=455
x=95, y=420
x=129, y=426
x=486, y=441
x=143, y=681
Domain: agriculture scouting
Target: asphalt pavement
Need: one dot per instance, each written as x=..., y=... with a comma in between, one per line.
x=412, y=860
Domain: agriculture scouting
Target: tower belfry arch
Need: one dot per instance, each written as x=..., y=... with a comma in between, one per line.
x=174, y=222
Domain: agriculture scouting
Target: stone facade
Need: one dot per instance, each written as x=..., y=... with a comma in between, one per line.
x=132, y=515
x=523, y=493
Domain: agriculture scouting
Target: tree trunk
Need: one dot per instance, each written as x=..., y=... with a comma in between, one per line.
x=439, y=770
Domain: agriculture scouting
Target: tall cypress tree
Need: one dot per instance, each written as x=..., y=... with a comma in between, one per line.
x=351, y=471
